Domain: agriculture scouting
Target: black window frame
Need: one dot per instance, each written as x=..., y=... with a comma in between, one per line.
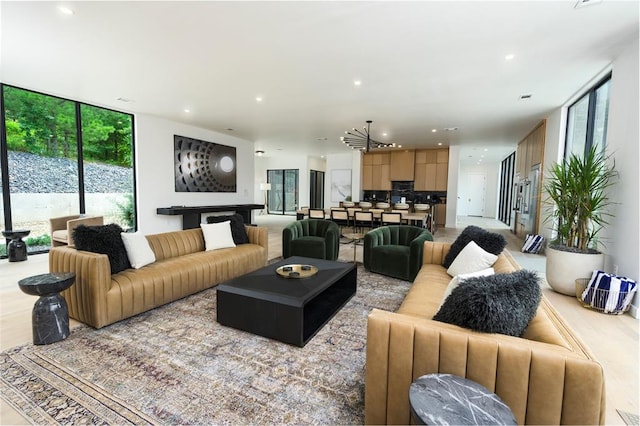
x=591, y=117
x=4, y=160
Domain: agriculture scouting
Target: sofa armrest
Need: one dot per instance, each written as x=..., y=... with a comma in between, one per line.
x=84, y=220
x=86, y=298
x=258, y=235
x=540, y=382
x=433, y=252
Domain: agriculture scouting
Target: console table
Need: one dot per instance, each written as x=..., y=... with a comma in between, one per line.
x=191, y=215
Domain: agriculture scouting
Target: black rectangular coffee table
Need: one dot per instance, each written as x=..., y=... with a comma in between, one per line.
x=291, y=310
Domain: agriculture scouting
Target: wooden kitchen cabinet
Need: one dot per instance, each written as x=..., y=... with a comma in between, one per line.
x=402, y=165
x=431, y=169
x=375, y=171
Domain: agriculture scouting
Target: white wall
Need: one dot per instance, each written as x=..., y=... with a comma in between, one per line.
x=622, y=235
x=453, y=186
x=155, y=172
x=491, y=172
x=348, y=161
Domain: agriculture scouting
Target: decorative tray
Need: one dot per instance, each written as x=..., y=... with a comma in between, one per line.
x=297, y=271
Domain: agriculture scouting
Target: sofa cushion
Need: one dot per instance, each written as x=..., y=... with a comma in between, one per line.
x=217, y=235
x=489, y=241
x=238, y=232
x=103, y=239
x=471, y=259
x=138, y=250
x=502, y=303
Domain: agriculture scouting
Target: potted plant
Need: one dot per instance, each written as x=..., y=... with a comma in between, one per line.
x=578, y=189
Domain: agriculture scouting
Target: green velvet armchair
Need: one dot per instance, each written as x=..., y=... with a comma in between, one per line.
x=395, y=250
x=316, y=238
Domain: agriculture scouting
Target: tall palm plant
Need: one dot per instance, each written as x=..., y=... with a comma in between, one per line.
x=577, y=187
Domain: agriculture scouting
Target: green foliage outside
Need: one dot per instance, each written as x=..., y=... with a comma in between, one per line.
x=45, y=125
x=39, y=241
x=126, y=211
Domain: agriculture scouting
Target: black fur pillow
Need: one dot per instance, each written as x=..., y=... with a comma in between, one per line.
x=489, y=241
x=501, y=303
x=238, y=232
x=103, y=239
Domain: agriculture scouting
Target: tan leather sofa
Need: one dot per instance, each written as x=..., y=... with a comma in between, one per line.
x=182, y=268
x=547, y=376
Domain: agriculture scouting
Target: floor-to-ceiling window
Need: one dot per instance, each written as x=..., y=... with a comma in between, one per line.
x=283, y=195
x=587, y=120
x=60, y=157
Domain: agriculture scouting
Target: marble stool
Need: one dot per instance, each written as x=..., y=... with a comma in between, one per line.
x=16, y=249
x=439, y=399
x=50, y=316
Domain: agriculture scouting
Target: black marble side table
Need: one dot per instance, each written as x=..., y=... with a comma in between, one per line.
x=16, y=249
x=445, y=399
x=50, y=316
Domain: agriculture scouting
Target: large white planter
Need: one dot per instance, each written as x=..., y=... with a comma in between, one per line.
x=563, y=267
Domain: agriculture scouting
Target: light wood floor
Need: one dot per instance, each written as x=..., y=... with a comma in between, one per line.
x=613, y=339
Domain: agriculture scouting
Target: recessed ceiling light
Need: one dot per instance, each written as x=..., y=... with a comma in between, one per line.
x=439, y=143
x=526, y=96
x=509, y=57
x=322, y=139
x=258, y=98
x=434, y=130
x=450, y=129
x=399, y=146
x=65, y=10
x=229, y=129
x=259, y=153
x=384, y=134
x=357, y=83
x=187, y=110
x=583, y=3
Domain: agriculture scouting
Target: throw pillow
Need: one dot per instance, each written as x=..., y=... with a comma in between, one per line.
x=103, y=239
x=138, y=250
x=455, y=281
x=217, y=235
x=501, y=303
x=489, y=241
x=471, y=259
x=238, y=231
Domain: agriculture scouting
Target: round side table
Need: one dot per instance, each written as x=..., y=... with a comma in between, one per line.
x=439, y=399
x=16, y=249
x=50, y=316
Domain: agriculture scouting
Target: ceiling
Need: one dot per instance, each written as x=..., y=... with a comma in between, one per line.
x=422, y=65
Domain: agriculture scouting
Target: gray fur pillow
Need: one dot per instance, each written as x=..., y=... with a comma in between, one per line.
x=501, y=303
x=491, y=242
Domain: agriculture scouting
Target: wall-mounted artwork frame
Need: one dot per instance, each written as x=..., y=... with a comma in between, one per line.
x=202, y=166
x=340, y=184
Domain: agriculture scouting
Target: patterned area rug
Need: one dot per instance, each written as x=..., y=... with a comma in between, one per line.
x=176, y=364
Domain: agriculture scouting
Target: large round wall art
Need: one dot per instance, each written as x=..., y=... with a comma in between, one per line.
x=204, y=166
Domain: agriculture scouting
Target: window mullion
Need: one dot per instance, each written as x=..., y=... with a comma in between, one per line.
x=81, y=197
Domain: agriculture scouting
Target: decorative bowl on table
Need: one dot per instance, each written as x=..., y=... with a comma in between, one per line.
x=297, y=271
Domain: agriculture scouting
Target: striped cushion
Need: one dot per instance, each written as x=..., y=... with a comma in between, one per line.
x=532, y=243
x=608, y=292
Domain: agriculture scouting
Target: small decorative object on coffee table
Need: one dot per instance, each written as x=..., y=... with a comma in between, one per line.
x=297, y=271
x=16, y=249
x=439, y=399
x=50, y=316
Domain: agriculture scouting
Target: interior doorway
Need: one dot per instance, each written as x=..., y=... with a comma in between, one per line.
x=316, y=189
x=475, y=194
x=283, y=195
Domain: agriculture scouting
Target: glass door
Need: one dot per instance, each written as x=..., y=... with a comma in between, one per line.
x=283, y=195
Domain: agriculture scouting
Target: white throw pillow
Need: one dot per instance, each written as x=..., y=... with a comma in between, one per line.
x=459, y=279
x=138, y=250
x=217, y=235
x=471, y=259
